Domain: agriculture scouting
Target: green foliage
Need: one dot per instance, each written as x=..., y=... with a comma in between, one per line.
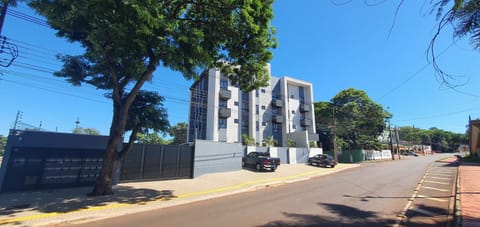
x=357, y=119
x=463, y=15
x=313, y=144
x=86, y=131
x=147, y=112
x=248, y=141
x=440, y=140
x=291, y=143
x=179, y=133
x=270, y=142
x=151, y=138
x=3, y=143
x=125, y=42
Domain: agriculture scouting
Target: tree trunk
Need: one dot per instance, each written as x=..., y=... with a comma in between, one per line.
x=103, y=184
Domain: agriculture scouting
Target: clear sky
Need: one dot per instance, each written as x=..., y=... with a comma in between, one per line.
x=334, y=46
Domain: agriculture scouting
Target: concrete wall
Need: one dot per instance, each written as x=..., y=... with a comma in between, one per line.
x=315, y=151
x=215, y=157
x=377, y=155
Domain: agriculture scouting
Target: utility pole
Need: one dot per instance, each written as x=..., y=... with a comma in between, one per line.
x=390, y=142
x=335, y=157
x=397, y=140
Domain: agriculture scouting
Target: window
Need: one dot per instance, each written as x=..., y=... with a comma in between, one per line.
x=263, y=90
x=264, y=123
x=256, y=93
x=222, y=123
x=263, y=107
x=235, y=103
x=276, y=127
x=294, y=126
x=224, y=83
x=257, y=124
x=293, y=111
x=257, y=111
x=222, y=104
x=235, y=121
x=292, y=96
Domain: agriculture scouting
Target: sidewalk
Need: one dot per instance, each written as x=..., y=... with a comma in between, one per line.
x=468, y=195
x=63, y=206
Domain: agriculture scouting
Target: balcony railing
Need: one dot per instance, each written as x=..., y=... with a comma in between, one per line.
x=224, y=112
x=306, y=122
x=277, y=103
x=304, y=108
x=225, y=94
x=277, y=119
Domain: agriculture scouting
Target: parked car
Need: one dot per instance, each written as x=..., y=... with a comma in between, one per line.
x=261, y=160
x=322, y=160
x=411, y=153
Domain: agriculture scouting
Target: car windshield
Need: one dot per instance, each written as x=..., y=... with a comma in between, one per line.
x=263, y=155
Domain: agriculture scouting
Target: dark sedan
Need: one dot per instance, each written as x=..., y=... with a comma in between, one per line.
x=324, y=160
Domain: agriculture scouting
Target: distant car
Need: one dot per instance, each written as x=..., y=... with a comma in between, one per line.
x=261, y=160
x=324, y=160
x=411, y=153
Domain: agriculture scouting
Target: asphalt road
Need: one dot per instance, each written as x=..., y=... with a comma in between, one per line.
x=375, y=194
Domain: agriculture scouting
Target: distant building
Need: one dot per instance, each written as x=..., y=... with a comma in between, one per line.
x=220, y=111
x=474, y=126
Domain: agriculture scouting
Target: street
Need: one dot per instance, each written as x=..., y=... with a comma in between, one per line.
x=375, y=194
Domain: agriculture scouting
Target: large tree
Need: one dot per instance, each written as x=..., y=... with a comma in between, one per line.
x=125, y=42
x=179, y=133
x=356, y=120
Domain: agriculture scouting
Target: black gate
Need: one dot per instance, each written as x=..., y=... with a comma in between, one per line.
x=45, y=168
x=158, y=162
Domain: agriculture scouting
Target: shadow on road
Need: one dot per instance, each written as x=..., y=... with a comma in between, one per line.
x=341, y=216
x=66, y=200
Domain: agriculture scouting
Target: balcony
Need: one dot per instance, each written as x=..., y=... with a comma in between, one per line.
x=277, y=119
x=277, y=103
x=306, y=122
x=224, y=112
x=313, y=137
x=225, y=94
x=304, y=108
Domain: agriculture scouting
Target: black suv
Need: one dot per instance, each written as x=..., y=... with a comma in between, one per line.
x=322, y=160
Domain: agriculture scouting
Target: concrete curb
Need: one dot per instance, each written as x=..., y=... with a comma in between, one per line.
x=117, y=209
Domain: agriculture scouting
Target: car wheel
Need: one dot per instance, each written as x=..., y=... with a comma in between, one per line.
x=333, y=166
x=273, y=168
x=243, y=163
x=258, y=167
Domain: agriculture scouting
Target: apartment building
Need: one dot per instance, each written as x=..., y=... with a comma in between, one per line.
x=220, y=111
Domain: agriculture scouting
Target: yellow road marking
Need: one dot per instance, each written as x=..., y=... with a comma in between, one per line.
x=186, y=195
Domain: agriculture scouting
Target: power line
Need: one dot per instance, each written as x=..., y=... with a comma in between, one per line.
x=414, y=74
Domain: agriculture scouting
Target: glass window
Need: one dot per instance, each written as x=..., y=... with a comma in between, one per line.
x=257, y=111
x=263, y=107
x=235, y=103
x=224, y=83
x=257, y=126
x=222, y=104
x=222, y=123
x=235, y=121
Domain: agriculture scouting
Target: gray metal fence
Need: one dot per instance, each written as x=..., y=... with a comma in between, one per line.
x=158, y=162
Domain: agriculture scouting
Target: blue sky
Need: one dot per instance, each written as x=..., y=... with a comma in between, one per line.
x=333, y=46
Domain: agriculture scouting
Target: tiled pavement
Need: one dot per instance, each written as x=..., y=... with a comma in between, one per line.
x=469, y=194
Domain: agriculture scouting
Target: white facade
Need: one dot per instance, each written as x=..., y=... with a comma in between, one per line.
x=222, y=112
